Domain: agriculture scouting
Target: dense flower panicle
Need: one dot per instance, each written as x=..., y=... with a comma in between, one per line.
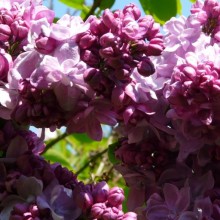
x=193, y=95
x=16, y=18
x=185, y=202
x=29, y=211
x=207, y=14
x=31, y=188
x=117, y=47
x=40, y=88
x=53, y=93
x=150, y=154
x=100, y=202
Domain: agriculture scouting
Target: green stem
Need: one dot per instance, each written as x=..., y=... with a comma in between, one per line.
x=54, y=141
x=95, y=5
x=95, y=157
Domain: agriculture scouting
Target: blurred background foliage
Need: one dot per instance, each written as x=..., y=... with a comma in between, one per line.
x=161, y=10
x=90, y=160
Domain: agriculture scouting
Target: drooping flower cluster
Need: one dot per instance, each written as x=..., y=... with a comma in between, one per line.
x=185, y=126
x=100, y=202
x=117, y=48
x=31, y=188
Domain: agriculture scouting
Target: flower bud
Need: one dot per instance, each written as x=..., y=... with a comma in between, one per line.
x=97, y=210
x=45, y=45
x=100, y=192
x=116, y=196
x=146, y=67
x=4, y=67
x=106, y=52
x=112, y=214
x=19, y=29
x=97, y=27
x=155, y=47
x=111, y=21
x=6, y=17
x=129, y=216
x=5, y=32
x=90, y=58
x=84, y=200
x=90, y=73
x=87, y=41
x=132, y=10
x=107, y=40
x=154, y=32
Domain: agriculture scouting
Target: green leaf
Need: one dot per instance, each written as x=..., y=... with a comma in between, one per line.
x=77, y=4
x=193, y=1
x=162, y=10
x=82, y=138
x=55, y=19
x=84, y=11
x=106, y=4
x=54, y=156
x=111, y=153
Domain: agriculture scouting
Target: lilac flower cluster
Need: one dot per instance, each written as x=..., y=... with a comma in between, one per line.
x=118, y=48
x=32, y=188
x=171, y=162
x=42, y=84
x=81, y=74
x=100, y=202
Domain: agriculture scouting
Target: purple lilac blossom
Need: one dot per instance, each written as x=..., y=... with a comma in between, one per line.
x=193, y=96
x=31, y=188
x=117, y=47
x=207, y=14
x=15, y=21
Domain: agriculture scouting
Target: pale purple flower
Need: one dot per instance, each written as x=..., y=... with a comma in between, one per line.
x=182, y=35
x=53, y=84
x=15, y=21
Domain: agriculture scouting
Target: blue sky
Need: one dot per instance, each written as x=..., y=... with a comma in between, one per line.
x=61, y=9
